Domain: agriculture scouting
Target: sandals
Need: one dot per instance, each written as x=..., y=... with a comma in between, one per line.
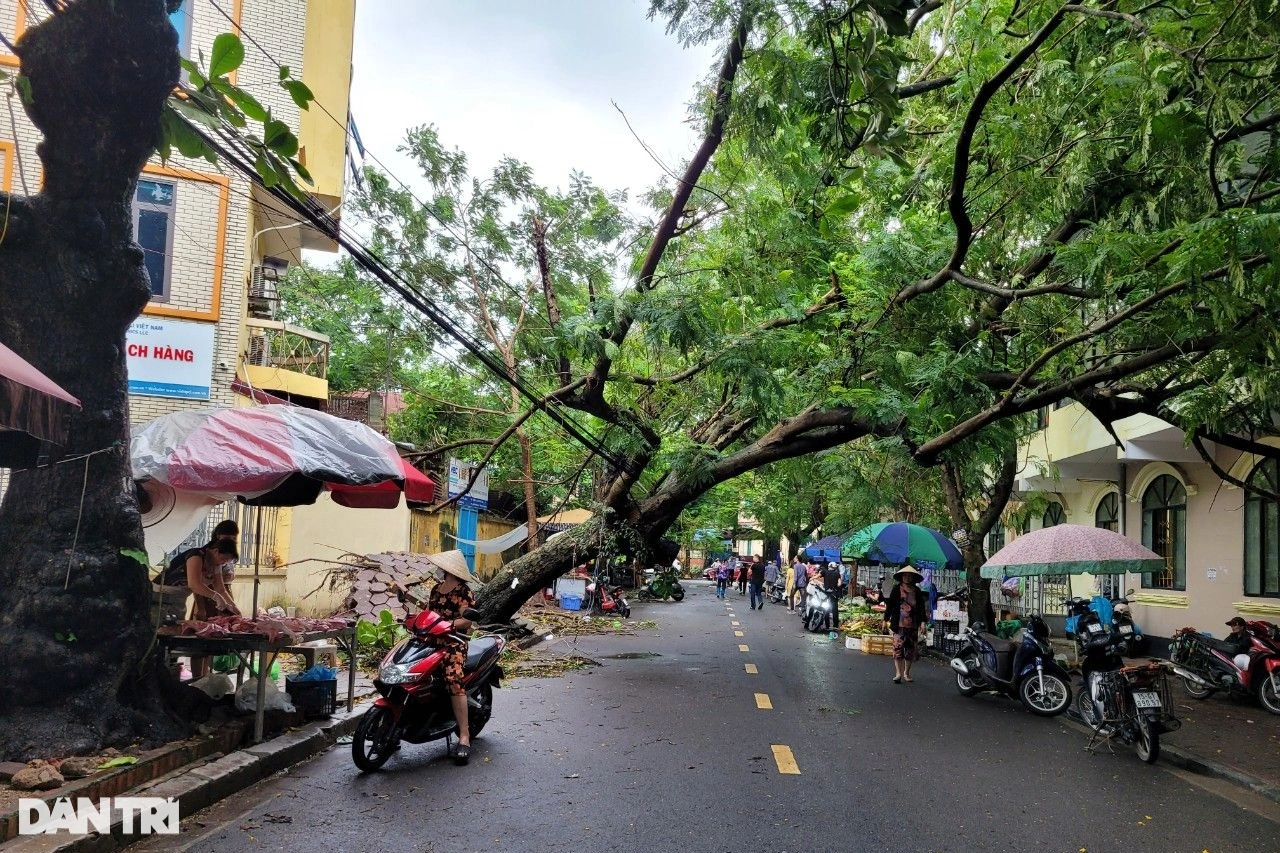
x=462, y=755
x=897, y=679
x=907, y=678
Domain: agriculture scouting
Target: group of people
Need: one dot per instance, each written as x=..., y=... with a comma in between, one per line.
x=906, y=614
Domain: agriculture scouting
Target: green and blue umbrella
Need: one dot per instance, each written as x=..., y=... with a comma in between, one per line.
x=897, y=543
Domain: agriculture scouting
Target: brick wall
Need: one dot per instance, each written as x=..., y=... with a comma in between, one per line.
x=200, y=246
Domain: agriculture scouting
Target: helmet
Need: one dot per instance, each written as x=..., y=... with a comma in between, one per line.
x=1121, y=608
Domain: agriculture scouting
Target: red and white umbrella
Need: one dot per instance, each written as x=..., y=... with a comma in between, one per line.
x=33, y=410
x=262, y=455
x=1071, y=549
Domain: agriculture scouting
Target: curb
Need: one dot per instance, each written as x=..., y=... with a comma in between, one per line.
x=1178, y=757
x=200, y=785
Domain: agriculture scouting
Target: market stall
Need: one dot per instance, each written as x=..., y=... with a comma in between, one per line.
x=265, y=638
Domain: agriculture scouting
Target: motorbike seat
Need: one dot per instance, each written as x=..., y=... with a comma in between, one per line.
x=1000, y=646
x=476, y=651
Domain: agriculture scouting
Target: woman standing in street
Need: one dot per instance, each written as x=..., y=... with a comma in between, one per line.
x=905, y=616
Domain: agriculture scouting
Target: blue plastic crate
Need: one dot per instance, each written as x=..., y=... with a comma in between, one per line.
x=570, y=602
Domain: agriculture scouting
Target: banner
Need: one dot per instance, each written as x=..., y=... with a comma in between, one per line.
x=459, y=475
x=170, y=358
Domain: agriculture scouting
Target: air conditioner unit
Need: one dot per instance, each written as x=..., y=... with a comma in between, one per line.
x=263, y=299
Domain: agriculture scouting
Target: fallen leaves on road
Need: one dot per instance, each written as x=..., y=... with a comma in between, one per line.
x=534, y=664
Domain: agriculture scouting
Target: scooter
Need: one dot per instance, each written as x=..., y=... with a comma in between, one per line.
x=665, y=584
x=820, y=612
x=1022, y=668
x=777, y=592
x=1206, y=667
x=413, y=705
x=1135, y=642
x=607, y=600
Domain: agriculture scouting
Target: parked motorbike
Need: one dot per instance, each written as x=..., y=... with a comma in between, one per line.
x=1023, y=667
x=1129, y=703
x=1207, y=666
x=820, y=608
x=1135, y=642
x=777, y=592
x=608, y=600
x=665, y=584
x=413, y=705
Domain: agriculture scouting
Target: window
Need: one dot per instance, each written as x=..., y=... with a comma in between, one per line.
x=1164, y=530
x=181, y=21
x=1053, y=516
x=995, y=539
x=1262, y=533
x=1107, y=516
x=153, y=229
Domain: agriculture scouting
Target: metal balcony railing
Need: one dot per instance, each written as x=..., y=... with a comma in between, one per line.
x=272, y=343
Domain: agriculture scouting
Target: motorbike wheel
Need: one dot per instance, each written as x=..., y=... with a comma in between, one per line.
x=1195, y=691
x=677, y=594
x=813, y=621
x=1147, y=743
x=967, y=684
x=371, y=745
x=1084, y=707
x=478, y=717
x=1053, y=699
x=1269, y=692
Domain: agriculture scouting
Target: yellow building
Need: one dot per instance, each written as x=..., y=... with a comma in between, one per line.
x=1222, y=546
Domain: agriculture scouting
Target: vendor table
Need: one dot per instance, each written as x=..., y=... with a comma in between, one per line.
x=245, y=646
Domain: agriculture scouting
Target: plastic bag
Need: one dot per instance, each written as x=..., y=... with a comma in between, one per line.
x=226, y=663
x=319, y=672
x=216, y=685
x=247, y=697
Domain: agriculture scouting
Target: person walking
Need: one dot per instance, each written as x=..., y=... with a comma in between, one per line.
x=744, y=572
x=722, y=579
x=798, y=583
x=771, y=577
x=905, y=616
x=757, y=585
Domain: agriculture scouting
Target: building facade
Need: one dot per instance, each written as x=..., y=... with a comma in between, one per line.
x=214, y=245
x=1221, y=544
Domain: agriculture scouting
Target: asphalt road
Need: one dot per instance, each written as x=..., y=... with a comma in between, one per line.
x=663, y=748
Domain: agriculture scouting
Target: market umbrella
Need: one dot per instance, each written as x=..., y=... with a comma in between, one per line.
x=899, y=542
x=33, y=411
x=1071, y=549
x=826, y=550
x=418, y=488
x=270, y=455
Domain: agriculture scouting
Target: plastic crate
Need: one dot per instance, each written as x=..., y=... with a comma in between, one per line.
x=313, y=698
x=570, y=602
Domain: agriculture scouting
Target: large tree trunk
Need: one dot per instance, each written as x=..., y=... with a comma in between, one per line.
x=972, y=533
x=74, y=614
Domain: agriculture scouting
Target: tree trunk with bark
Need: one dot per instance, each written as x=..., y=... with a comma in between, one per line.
x=973, y=532
x=77, y=659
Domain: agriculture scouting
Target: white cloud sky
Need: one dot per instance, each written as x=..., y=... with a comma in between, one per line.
x=533, y=80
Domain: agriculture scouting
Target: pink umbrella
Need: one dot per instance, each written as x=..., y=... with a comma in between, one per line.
x=1071, y=549
x=33, y=410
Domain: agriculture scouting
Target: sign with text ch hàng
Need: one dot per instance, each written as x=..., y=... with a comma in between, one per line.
x=170, y=358
x=459, y=475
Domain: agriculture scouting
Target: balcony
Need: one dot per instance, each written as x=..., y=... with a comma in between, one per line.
x=288, y=361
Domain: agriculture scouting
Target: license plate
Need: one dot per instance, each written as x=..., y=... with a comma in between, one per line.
x=1095, y=628
x=1146, y=700
x=1126, y=629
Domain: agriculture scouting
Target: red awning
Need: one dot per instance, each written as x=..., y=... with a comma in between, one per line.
x=33, y=409
x=418, y=488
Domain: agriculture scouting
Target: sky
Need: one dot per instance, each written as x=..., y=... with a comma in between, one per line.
x=533, y=80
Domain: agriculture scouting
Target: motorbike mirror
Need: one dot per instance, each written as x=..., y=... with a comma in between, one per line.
x=471, y=613
x=1128, y=592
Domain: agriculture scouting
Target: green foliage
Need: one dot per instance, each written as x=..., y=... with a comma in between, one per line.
x=383, y=634
x=209, y=99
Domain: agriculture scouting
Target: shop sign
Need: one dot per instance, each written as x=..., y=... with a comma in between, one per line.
x=170, y=358
x=459, y=475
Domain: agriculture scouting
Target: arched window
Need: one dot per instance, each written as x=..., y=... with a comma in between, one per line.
x=1053, y=516
x=1107, y=515
x=1262, y=533
x=1164, y=530
x=995, y=539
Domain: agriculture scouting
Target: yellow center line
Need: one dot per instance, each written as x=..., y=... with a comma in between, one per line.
x=734, y=623
x=763, y=702
x=737, y=633
x=751, y=669
x=742, y=647
x=785, y=760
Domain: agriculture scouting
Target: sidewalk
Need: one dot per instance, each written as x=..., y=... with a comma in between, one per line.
x=1234, y=740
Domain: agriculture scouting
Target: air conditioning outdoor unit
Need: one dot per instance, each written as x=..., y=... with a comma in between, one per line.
x=263, y=299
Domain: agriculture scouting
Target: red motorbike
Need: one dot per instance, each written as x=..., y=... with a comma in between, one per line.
x=414, y=705
x=608, y=600
x=1207, y=666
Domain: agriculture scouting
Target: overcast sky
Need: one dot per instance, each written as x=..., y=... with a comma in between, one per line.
x=530, y=79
